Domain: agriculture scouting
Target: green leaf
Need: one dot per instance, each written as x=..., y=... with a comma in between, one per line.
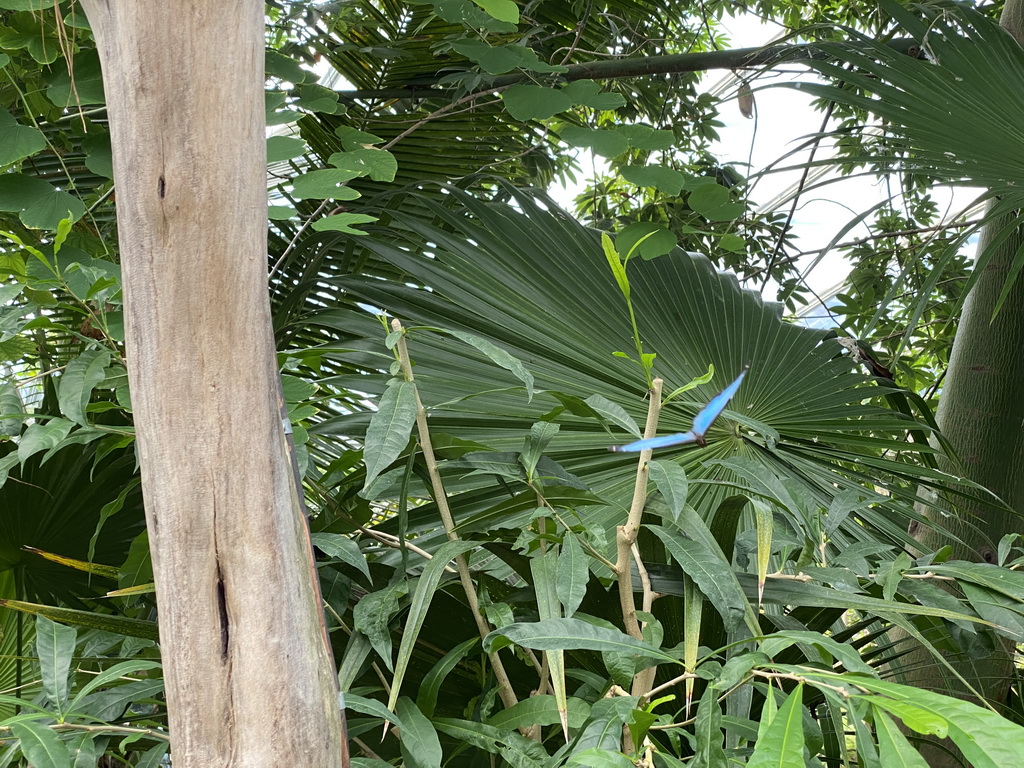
x=420, y=746
x=782, y=744
x=426, y=587
x=343, y=548
x=670, y=479
x=645, y=239
x=535, y=102
x=317, y=98
x=42, y=747
x=340, y=222
x=667, y=180
x=569, y=635
x=847, y=654
x=76, y=384
x=55, y=645
x=371, y=707
x=572, y=574
x=497, y=60
x=602, y=141
x=17, y=140
x=614, y=413
x=378, y=164
x=285, y=68
x=325, y=184
x=710, y=572
x=83, y=87
x=600, y=758
x=352, y=138
x=42, y=437
x=500, y=357
x=426, y=699
x=281, y=212
x=151, y=758
x=82, y=750
x=894, y=750
x=615, y=262
x=502, y=10
x=389, y=429
x=120, y=625
x=373, y=613
x=39, y=204
x=518, y=750
x=540, y=710
x=708, y=752
x=280, y=148
x=587, y=93
x=714, y=202
x=644, y=137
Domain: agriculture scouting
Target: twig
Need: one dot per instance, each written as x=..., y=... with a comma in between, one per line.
x=505, y=691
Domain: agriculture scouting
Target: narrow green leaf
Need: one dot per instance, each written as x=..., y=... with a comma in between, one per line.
x=569, y=635
x=709, y=752
x=541, y=434
x=894, y=750
x=500, y=357
x=371, y=707
x=55, y=645
x=120, y=625
x=573, y=574
x=764, y=519
x=426, y=699
x=782, y=745
x=107, y=676
x=670, y=479
x=709, y=570
x=343, y=548
x=42, y=747
x=615, y=262
x=420, y=746
x=425, y=589
x=544, y=570
x=389, y=429
x=520, y=751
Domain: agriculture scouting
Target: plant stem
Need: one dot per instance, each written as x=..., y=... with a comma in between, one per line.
x=505, y=691
x=625, y=538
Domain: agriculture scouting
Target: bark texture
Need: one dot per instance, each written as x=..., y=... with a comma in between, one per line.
x=248, y=672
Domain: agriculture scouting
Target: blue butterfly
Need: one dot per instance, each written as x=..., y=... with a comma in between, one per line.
x=701, y=423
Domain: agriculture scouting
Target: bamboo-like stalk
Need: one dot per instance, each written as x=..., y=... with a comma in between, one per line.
x=508, y=696
x=625, y=539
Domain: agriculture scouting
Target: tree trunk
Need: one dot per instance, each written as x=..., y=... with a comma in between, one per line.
x=981, y=412
x=248, y=671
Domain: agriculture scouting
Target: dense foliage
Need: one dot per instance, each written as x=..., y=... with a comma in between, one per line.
x=498, y=585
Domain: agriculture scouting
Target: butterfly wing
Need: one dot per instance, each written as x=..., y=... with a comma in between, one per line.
x=703, y=420
x=656, y=442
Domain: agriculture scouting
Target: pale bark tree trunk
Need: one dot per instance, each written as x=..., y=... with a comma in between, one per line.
x=981, y=413
x=249, y=677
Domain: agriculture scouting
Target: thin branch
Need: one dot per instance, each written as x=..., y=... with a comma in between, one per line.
x=505, y=691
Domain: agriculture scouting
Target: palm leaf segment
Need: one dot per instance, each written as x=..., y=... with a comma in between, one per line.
x=533, y=281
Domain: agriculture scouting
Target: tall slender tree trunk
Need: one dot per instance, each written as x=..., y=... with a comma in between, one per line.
x=982, y=413
x=249, y=677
